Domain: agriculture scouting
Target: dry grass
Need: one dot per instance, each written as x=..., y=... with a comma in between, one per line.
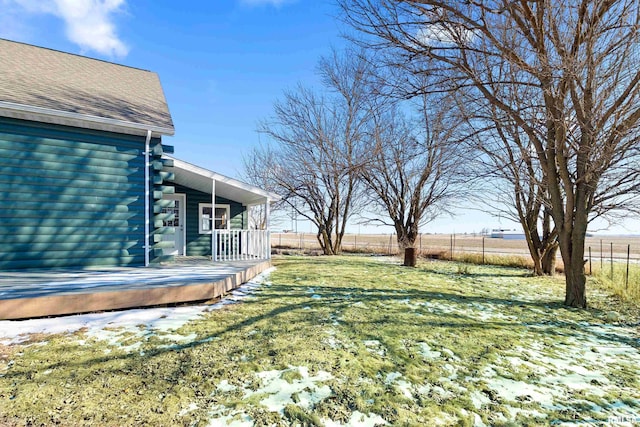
x=627, y=287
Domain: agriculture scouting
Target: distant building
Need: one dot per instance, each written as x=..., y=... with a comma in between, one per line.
x=501, y=233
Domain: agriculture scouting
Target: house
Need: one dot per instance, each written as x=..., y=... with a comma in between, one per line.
x=86, y=181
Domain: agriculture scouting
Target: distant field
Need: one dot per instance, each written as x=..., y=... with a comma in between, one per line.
x=460, y=243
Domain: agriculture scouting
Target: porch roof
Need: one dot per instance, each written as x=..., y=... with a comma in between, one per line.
x=200, y=179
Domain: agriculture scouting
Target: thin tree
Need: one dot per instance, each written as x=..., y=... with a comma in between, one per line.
x=412, y=169
x=577, y=58
x=317, y=147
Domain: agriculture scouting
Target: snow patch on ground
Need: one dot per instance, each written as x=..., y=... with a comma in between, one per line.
x=375, y=346
x=225, y=387
x=280, y=388
x=394, y=378
x=427, y=353
x=233, y=418
x=190, y=408
x=479, y=399
x=511, y=390
x=556, y=362
x=331, y=340
x=584, y=362
x=358, y=419
x=281, y=391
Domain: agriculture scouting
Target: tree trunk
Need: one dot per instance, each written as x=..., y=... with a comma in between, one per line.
x=410, y=257
x=549, y=260
x=407, y=237
x=575, y=286
x=533, y=240
x=337, y=247
x=537, y=263
x=325, y=241
x=572, y=250
x=538, y=269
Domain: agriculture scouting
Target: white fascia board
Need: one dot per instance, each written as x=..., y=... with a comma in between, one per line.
x=273, y=197
x=48, y=115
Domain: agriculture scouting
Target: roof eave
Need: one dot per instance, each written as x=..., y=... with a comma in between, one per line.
x=268, y=195
x=48, y=115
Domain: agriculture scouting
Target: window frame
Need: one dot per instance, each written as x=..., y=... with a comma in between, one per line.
x=202, y=206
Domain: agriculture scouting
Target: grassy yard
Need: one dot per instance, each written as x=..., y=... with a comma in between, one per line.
x=347, y=341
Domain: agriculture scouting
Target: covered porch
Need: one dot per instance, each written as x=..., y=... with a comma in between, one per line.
x=38, y=293
x=210, y=214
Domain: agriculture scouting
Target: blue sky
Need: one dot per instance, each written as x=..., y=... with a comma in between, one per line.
x=222, y=64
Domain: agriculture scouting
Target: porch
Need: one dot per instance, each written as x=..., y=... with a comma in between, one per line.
x=208, y=214
x=38, y=293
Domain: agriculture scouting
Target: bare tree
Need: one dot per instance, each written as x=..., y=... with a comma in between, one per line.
x=255, y=173
x=578, y=60
x=317, y=147
x=512, y=186
x=412, y=169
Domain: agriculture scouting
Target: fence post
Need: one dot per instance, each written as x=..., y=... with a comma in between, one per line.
x=390, y=236
x=590, y=270
x=626, y=280
x=420, y=242
x=612, y=261
x=601, y=265
x=451, y=249
x=482, y=250
x=355, y=243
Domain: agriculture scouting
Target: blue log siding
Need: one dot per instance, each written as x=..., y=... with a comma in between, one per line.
x=159, y=172
x=70, y=197
x=200, y=244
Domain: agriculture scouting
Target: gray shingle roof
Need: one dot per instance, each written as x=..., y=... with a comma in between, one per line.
x=45, y=78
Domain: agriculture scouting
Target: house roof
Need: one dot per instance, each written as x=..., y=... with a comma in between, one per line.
x=201, y=179
x=57, y=87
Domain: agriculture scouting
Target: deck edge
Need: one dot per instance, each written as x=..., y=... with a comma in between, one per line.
x=58, y=305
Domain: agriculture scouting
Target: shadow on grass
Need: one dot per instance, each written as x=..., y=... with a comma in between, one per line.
x=340, y=298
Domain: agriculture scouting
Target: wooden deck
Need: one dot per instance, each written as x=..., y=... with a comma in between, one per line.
x=38, y=293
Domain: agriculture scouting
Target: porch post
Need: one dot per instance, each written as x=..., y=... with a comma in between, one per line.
x=214, y=249
x=267, y=213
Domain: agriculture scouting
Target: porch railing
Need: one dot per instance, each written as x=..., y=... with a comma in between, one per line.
x=236, y=245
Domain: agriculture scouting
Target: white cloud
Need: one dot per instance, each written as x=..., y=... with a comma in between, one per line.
x=88, y=23
x=434, y=34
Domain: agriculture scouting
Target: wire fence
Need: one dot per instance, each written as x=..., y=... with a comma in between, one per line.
x=598, y=250
x=617, y=258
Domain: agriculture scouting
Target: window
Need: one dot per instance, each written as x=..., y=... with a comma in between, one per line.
x=207, y=217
